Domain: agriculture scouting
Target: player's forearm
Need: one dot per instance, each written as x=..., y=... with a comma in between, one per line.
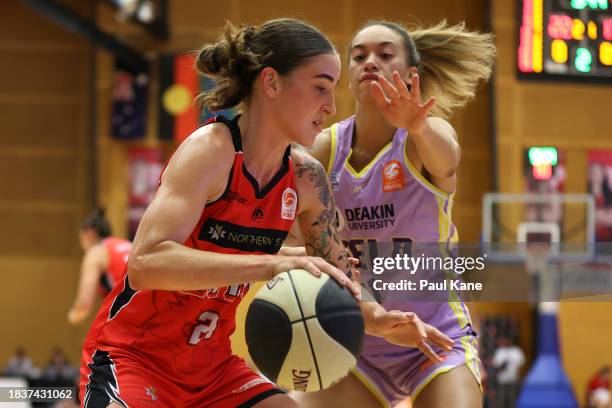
x=371, y=311
x=439, y=152
x=84, y=300
x=172, y=266
x=90, y=276
x=323, y=241
x=294, y=238
x=293, y=251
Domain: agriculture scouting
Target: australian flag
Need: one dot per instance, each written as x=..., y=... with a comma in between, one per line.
x=129, y=111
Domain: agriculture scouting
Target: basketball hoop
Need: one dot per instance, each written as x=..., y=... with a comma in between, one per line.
x=537, y=256
x=540, y=243
x=565, y=221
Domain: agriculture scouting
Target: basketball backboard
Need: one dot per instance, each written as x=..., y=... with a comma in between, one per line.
x=511, y=222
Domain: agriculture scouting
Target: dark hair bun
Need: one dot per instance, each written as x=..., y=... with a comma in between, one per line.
x=212, y=58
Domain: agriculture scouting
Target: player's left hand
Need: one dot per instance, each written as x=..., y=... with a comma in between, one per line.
x=301, y=251
x=400, y=107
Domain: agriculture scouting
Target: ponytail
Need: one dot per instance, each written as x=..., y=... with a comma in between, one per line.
x=97, y=221
x=235, y=60
x=454, y=61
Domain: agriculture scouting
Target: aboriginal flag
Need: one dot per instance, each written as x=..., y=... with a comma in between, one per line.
x=180, y=84
x=178, y=116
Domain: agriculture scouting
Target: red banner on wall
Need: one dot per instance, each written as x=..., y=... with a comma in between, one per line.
x=145, y=167
x=600, y=185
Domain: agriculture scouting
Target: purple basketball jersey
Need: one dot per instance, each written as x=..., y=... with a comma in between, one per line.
x=388, y=204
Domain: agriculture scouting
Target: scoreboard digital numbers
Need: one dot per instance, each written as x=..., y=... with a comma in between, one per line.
x=565, y=39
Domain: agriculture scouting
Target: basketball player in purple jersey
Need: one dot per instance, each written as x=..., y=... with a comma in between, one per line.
x=393, y=170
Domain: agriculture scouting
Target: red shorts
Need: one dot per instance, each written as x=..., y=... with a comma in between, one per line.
x=108, y=377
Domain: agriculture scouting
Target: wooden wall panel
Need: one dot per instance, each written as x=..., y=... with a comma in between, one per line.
x=475, y=122
x=38, y=177
x=38, y=232
x=330, y=21
x=199, y=15
x=412, y=12
x=21, y=30
x=38, y=318
x=570, y=114
x=42, y=71
x=476, y=180
x=45, y=177
x=16, y=117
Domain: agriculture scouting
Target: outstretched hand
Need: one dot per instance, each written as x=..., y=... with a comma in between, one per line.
x=401, y=107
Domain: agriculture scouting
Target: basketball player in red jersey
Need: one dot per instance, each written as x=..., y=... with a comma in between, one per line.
x=103, y=265
x=225, y=204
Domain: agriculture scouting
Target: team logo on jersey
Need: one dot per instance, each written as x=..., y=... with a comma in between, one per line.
x=370, y=217
x=151, y=392
x=393, y=176
x=216, y=232
x=357, y=189
x=246, y=239
x=258, y=214
x=288, y=204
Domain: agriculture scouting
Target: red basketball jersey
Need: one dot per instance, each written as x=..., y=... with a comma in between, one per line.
x=118, y=250
x=186, y=333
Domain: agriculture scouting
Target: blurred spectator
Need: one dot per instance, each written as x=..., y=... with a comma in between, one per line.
x=59, y=370
x=492, y=328
x=103, y=265
x=20, y=365
x=598, y=389
x=508, y=360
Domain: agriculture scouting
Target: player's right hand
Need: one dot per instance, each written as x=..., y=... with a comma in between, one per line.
x=76, y=316
x=406, y=329
x=316, y=266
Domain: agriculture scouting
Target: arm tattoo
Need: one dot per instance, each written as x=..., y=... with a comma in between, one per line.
x=315, y=173
x=324, y=228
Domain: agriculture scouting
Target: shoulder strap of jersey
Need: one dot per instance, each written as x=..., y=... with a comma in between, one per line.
x=341, y=140
x=234, y=129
